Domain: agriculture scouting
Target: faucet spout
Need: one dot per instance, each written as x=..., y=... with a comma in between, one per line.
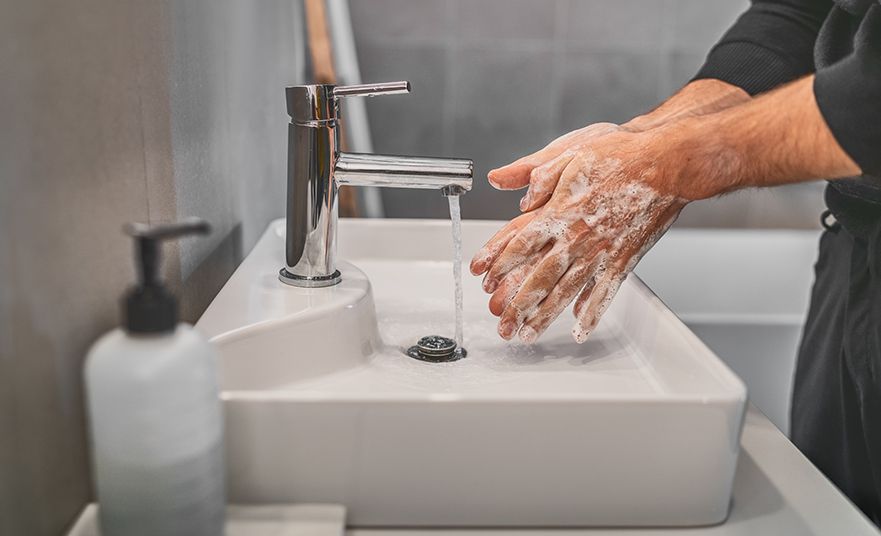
x=389, y=171
x=317, y=168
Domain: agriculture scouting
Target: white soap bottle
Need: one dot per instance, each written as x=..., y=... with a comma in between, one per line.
x=154, y=411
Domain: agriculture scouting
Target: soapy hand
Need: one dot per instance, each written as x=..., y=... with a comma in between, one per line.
x=609, y=202
x=541, y=170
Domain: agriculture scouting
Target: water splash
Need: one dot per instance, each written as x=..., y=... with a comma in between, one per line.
x=456, y=219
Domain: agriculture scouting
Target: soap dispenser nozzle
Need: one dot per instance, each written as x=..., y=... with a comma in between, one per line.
x=149, y=307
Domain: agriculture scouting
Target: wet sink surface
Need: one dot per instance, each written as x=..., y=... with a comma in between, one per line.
x=420, y=303
x=638, y=426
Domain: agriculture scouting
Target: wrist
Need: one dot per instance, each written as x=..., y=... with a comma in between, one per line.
x=641, y=123
x=699, y=97
x=693, y=158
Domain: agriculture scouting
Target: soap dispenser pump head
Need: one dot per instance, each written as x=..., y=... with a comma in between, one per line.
x=149, y=307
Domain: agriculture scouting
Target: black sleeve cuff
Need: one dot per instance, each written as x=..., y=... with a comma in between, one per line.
x=849, y=96
x=749, y=66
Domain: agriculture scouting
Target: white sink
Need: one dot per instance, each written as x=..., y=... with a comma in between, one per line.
x=638, y=426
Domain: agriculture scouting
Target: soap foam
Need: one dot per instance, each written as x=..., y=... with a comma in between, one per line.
x=623, y=219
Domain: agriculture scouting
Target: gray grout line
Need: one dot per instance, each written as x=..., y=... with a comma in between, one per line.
x=665, y=51
x=452, y=39
x=562, y=11
x=449, y=103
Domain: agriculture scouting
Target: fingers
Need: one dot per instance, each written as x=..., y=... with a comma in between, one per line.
x=597, y=294
x=511, y=177
x=542, y=279
x=596, y=302
x=560, y=296
x=544, y=276
x=487, y=255
x=527, y=242
x=579, y=276
x=516, y=174
x=507, y=289
x=512, y=282
x=597, y=272
x=543, y=180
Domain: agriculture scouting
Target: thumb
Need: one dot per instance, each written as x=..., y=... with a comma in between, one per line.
x=516, y=174
x=511, y=177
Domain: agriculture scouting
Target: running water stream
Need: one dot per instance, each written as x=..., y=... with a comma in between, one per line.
x=456, y=219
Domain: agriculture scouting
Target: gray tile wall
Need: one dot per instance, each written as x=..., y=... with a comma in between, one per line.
x=495, y=79
x=118, y=111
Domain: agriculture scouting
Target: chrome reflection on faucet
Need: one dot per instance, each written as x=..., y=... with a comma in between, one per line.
x=316, y=169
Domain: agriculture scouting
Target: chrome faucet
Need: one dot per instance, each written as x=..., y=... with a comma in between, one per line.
x=316, y=169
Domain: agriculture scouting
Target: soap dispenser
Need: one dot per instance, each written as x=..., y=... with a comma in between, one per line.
x=154, y=411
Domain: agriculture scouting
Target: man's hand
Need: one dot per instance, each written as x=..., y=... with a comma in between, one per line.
x=541, y=170
x=596, y=270
x=607, y=210
x=621, y=189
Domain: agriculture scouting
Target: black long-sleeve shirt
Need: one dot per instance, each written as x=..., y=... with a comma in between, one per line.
x=777, y=41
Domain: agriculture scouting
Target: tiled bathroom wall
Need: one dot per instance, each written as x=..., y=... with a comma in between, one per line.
x=114, y=112
x=496, y=79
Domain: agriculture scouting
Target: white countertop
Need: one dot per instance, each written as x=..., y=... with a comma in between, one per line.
x=777, y=491
x=260, y=520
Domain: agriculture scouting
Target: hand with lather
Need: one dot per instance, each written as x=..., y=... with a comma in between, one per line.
x=598, y=198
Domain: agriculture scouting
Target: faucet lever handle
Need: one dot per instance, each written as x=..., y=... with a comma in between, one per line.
x=372, y=90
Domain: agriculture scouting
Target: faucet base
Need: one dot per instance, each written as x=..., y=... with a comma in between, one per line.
x=309, y=282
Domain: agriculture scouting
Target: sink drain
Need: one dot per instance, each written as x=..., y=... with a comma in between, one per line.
x=436, y=349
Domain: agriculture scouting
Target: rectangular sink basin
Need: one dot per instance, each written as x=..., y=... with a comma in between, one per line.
x=639, y=426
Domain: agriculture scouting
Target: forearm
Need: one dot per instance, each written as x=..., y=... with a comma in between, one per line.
x=776, y=138
x=697, y=98
x=540, y=169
